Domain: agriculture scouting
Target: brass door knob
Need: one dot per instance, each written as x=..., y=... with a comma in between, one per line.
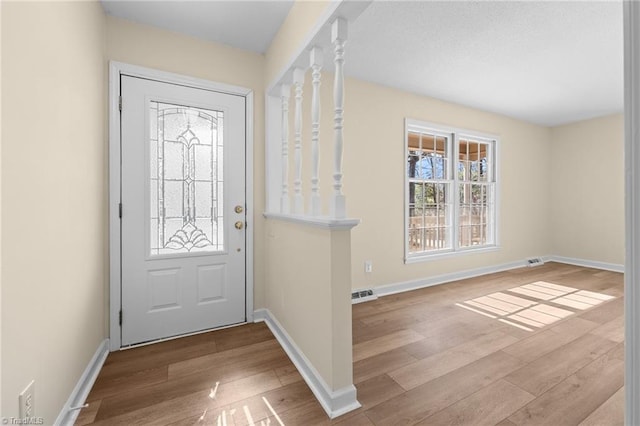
x=239, y=224
x=239, y=209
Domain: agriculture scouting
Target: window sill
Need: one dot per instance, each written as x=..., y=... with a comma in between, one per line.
x=447, y=254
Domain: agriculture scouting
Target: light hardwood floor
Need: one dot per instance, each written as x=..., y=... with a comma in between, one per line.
x=418, y=359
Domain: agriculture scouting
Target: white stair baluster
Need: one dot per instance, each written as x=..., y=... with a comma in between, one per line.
x=285, y=93
x=298, y=199
x=338, y=38
x=315, y=208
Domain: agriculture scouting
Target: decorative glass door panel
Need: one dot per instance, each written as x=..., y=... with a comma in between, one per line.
x=183, y=261
x=186, y=179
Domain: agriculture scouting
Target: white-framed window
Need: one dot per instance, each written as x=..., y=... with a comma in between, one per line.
x=450, y=191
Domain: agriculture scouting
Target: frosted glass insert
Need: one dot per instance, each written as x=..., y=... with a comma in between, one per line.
x=186, y=179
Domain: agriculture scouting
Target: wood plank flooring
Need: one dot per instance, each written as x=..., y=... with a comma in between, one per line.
x=418, y=359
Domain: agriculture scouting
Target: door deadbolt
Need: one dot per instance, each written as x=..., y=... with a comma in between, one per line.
x=239, y=224
x=239, y=209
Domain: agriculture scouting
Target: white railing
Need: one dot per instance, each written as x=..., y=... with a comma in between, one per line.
x=295, y=204
x=338, y=38
x=285, y=93
x=298, y=199
x=315, y=62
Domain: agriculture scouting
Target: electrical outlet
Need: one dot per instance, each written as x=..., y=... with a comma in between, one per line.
x=368, y=266
x=26, y=400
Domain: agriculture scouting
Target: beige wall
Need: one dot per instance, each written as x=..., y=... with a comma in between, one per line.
x=57, y=94
x=587, y=190
x=168, y=51
x=374, y=168
x=308, y=279
x=53, y=198
x=299, y=22
x=340, y=315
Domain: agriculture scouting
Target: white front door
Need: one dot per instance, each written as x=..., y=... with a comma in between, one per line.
x=183, y=209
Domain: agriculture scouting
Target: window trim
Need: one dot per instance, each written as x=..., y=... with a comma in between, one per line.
x=454, y=133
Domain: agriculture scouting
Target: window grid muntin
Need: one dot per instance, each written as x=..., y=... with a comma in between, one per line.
x=437, y=235
x=464, y=237
x=489, y=233
x=474, y=235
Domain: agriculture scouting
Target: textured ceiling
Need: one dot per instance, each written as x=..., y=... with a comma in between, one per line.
x=545, y=62
x=249, y=25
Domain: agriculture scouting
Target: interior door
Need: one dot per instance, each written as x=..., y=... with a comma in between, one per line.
x=183, y=209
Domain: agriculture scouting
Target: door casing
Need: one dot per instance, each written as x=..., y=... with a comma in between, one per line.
x=115, y=70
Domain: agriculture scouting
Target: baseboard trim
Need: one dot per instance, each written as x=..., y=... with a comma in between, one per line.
x=83, y=387
x=401, y=287
x=364, y=299
x=335, y=403
x=614, y=267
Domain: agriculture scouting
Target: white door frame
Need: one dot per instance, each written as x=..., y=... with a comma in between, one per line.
x=632, y=210
x=115, y=70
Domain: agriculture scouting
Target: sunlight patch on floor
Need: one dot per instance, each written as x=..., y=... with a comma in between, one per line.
x=514, y=324
x=536, y=308
x=272, y=411
x=476, y=311
x=232, y=416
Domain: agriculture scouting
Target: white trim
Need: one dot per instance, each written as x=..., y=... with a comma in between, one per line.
x=335, y=403
x=401, y=287
x=83, y=387
x=615, y=267
x=184, y=80
x=446, y=129
x=114, y=200
x=115, y=70
x=250, y=209
x=439, y=255
x=318, y=222
x=497, y=146
x=632, y=210
x=452, y=194
x=364, y=299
